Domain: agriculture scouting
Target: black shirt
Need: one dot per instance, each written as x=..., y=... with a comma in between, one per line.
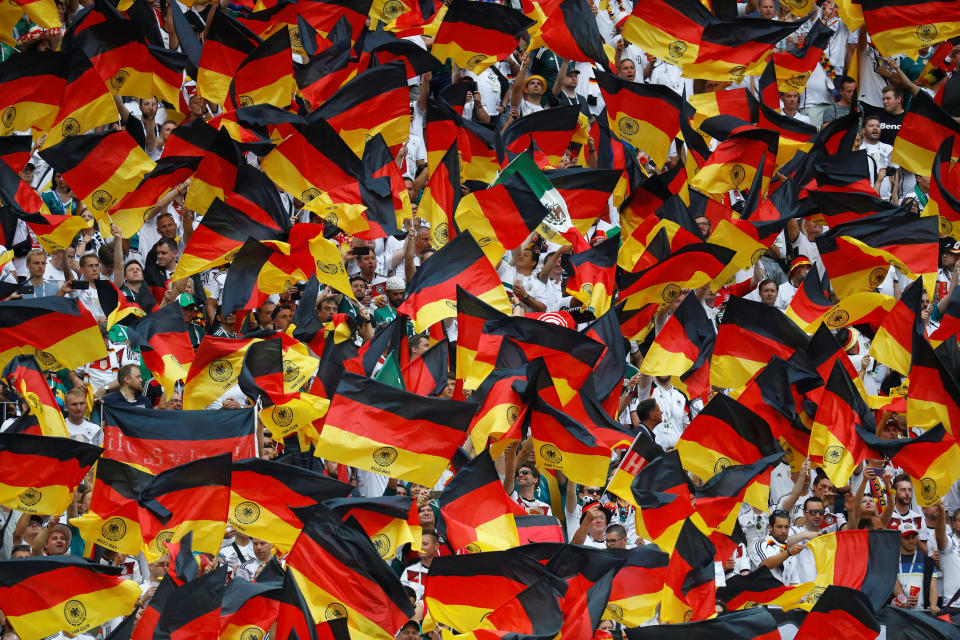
x=117, y=398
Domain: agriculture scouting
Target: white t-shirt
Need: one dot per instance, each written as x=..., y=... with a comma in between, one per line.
x=86, y=431
x=950, y=566
x=531, y=283
x=767, y=547
x=534, y=507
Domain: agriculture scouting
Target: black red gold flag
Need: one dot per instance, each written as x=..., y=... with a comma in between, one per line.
x=294, y=619
x=130, y=211
x=478, y=515
x=751, y=332
x=907, y=26
x=264, y=493
x=925, y=126
x=810, y=302
x=45, y=595
x=475, y=35
x=373, y=102
x=537, y=528
x=257, y=271
x=732, y=49
x=389, y=521
x=635, y=591
x=680, y=341
x=189, y=497
x=328, y=69
x=793, y=68
x=164, y=345
x=847, y=612
x=472, y=313
x=341, y=575
x=25, y=376
x=645, y=115
x=32, y=86
x=943, y=200
x=191, y=610
x=113, y=521
x=432, y=293
x=183, y=565
x=440, y=198
x=858, y=559
x=354, y=430
x=248, y=609
x=427, y=374
x=156, y=440
x=86, y=102
x=58, y=331
x=42, y=472
x=550, y=130
x=724, y=434
x=933, y=396
x=226, y=45
x=735, y=161
x=265, y=76
x=215, y=368
x=592, y=275
x=720, y=499
x=753, y=624
x=585, y=192
x=689, y=592
x=893, y=342
x=690, y=266
x=755, y=588
x=669, y=30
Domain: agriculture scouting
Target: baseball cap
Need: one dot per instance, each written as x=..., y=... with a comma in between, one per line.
x=955, y=247
x=799, y=261
x=572, y=70
x=907, y=528
x=542, y=80
x=185, y=300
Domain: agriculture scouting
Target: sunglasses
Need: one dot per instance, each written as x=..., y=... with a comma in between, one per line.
x=815, y=512
x=613, y=540
x=593, y=492
x=524, y=472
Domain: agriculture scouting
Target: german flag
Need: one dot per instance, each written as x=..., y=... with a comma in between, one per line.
x=793, y=68
x=646, y=116
x=746, y=340
x=133, y=208
x=925, y=126
x=585, y=192
x=273, y=372
x=42, y=13
x=101, y=168
x=342, y=576
x=263, y=495
x=738, y=103
x=218, y=238
x=389, y=521
x=432, y=293
x=463, y=590
x=86, y=103
x=382, y=174
x=934, y=389
x=943, y=201
x=735, y=161
x=499, y=406
x=549, y=130
x=642, y=452
x=257, y=271
x=724, y=434
x=129, y=65
x=720, y=498
x=907, y=26
x=636, y=587
x=949, y=323
x=25, y=376
x=531, y=528
x=810, y=303
x=113, y=521
x=930, y=459
x=248, y=609
x=893, y=342
x=183, y=566
x=571, y=33
x=328, y=69
x=164, y=345
x=593, y=275
x=753, y=624
x=759, y=587
x=669, y=30
x=42, y=472
x=477, y=513
x=215, y=369
x=689, y=591
x=191, y=610
x=424, y=432
x=60, y=332
x=678, y=345
x=472, y=313
x=156, y=440
x=427, y=375
x=43, y=596
x=266, y=75
x=840, y=207
x=661, y=493
x=295, y=621
x=440, y=198
x=190, y=497
x=476, y=36
x=847, y=611
x=226, y=46
x=732, y=49
x=375, y=101
x=690, y=266
x=32, y=87
x=857, y=559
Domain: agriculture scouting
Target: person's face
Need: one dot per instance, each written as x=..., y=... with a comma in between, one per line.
x=37, y=265
x=159, y=568
x=284, y=318
x=262, y=549
x=359, y=289
x=166, y=227
x=189, y=313
x=422, y=241
x=135, y=380
x=408, y=633
x=395, y=297
x=265, y=314
x=824, y=489
x=948, y=260
x=176, y=402
x=628, y=70
x=57, y=543
x=197, y=106
x=703, y=223
x=535, y=87
x=26, y=174
x=428, y=546
x=768, y=293
x=908, y=543
x=904, y=493
x=591, y=493
x=924, y=301
x=656, y=416
x=418, y=349
x=327, y=309
x=813, y=229
x=598, y=526
x=165, y=257
x=524, y=477
x=798, y=274
x=813, y=515
x=892, y=103
x=871, y=130
x=571, y=80
x=133, y=273
x=767, y=9
x=615, y=540
x=890, y=431
x=790, y=100
x=427, y=519
x=23, y=553
x=166, y=130
x=606, y=625
x=868, y=506
x=847, y=91
x=829, y=9
x=76, y=407
x=924, y=183
x=448, y=389
x=526, y=260
x=367, y=264
x=420, y=493
x=780, y=529
x=91, y=269
x=60, y=183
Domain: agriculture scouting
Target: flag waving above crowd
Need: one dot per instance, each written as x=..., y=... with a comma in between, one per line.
x=517, y=319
